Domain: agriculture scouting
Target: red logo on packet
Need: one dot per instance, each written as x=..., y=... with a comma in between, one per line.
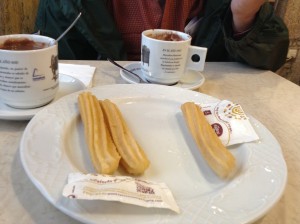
x=218, y=129
x=207, y=112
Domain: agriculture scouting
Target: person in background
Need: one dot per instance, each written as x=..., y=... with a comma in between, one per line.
x=245, y=31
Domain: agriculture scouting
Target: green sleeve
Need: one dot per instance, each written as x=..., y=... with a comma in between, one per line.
x=94, y=36
x=266, y=44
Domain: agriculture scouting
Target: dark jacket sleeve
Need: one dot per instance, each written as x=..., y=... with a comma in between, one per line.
x=265, y=46
x=93, y=36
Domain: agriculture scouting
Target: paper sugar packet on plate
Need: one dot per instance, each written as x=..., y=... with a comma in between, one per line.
x=230, y=122
x=119, y=188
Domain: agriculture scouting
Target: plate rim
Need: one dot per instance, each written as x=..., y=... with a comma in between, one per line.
x=80, y=218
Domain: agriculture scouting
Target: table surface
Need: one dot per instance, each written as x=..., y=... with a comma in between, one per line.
x=268, y=97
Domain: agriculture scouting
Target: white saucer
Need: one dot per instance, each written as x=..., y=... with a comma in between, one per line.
x=191, y=80
x=67, y=85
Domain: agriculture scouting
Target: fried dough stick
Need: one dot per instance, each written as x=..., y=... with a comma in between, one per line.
x=102, y=150
x=214, y=152
x=133, y=158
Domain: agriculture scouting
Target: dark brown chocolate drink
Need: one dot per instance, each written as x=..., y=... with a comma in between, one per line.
x=167, y=36
x=22, y=44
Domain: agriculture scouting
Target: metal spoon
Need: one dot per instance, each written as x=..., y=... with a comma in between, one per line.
x=128, y=71
x=67, y=30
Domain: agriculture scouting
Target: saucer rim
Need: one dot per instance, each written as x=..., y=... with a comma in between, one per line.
x=27, y=114
x=193, y=86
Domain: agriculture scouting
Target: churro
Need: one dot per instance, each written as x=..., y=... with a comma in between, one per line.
x=102, y=150
x=133, y=158
x=214, y=152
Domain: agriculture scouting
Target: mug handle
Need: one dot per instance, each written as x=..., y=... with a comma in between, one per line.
x=196, y=58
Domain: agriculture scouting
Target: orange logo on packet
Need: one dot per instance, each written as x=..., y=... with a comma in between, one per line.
x=234, y=111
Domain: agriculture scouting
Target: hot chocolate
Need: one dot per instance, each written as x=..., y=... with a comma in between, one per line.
x=22, y=44
x=167, y=36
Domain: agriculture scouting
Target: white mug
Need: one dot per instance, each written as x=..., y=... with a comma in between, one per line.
x=167, y=54
x=28, y=76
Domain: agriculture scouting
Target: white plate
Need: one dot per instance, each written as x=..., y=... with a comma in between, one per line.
x=191, y=79
x=67, y=85
x=53, y=145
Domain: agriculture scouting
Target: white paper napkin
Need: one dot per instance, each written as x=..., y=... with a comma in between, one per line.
x=84, y=73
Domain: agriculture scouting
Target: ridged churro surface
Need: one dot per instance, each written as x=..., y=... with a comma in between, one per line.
x=102, y=150
x=214, y=152
x=133, y=157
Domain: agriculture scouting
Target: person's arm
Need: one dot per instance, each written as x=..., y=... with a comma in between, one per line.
x=265, y=45
x=244, y=13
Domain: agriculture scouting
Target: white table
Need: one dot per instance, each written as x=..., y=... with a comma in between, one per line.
x=268, y=97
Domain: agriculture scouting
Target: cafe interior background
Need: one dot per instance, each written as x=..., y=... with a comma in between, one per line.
x=18, y=16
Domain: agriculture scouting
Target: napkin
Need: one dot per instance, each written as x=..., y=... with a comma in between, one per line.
x=84, y=73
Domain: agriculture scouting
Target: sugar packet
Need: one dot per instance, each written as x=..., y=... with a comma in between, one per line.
x=124, y=189
x=230, y=122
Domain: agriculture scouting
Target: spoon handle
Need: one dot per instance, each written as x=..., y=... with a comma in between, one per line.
x=121, y=67
x=67, y=30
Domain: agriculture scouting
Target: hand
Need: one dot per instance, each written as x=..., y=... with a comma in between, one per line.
x=244, y=12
